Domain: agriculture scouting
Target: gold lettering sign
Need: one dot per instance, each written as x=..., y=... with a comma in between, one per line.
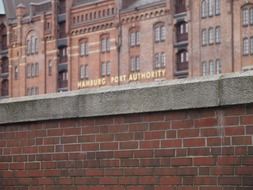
x=122, y=79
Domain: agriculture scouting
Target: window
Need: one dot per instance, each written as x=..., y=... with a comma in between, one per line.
x=50, y=65
x=105, y=44
x=245, y=15
x=218, y=66
x=16, y=72
x=28, y=71
x=210, y=7
x=251, y=16
x=105, y=68
x=210, y=35
x=212, y=67
x=182, y=60
x=5, y=65
x=83, y=48
x=32, y=45
x=32, y=91
x=134, y=38
x=204, y=8
x=36, y=69
x=182, y=31
x=180, y=6
x=5, y=87
x=217, y=34
x=159, y=60
x=217, y=7
x=3, y=37
x=83, y=72
x=205, y=68
x=251, y=45
x=63, y=54
x=246, y=46
x=159, y=33
x=204, y=37
x=135, y=63
x=32, y=70
x=63, y=79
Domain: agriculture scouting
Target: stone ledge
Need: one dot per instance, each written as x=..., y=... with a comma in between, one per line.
x=222, y=90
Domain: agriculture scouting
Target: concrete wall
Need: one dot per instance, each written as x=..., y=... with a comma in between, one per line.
x=182, y=135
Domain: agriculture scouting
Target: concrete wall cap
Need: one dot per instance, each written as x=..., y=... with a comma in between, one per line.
x=199, y=92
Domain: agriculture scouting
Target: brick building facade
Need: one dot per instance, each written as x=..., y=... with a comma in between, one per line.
x=59, y=45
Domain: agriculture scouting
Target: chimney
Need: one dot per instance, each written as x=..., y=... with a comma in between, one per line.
x=21, y=10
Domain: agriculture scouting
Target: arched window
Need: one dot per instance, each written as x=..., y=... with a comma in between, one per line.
x=5, y=87
x=5, y=65
x=217, y=7
x=159, y=32
x=247, y=15
x=32, y=44
x=105, y=43
x=204, y=8
x=134, y=37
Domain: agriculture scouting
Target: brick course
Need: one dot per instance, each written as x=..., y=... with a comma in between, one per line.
x=179, y=150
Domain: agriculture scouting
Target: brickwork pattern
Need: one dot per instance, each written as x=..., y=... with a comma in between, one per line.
x=204, y=149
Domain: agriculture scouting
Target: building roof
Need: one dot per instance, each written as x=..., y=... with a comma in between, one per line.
x=11, y=5
x=138, y=3
x=81, y=2
x=2, y=9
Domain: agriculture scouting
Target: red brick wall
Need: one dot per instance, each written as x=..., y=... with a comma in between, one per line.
x=207, y=149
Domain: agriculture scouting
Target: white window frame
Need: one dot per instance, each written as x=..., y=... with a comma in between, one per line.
x=251, y=15
x=218, y=34
x=245, y=16
x=251, y=45
x=246, y=46
x=212, y=67
x=160, y=33
x=218, y=66
x=204, y=8
x=204, y=37
x=83, y=72
x=217, y=7
x=210, y=7
x=211, y=35
x=205, y=68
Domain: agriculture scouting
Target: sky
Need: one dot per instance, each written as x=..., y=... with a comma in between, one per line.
x=1, y=7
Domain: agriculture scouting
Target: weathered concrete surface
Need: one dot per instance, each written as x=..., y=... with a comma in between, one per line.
x=230, y=89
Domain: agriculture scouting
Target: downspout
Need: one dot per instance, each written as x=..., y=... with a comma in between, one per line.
x=232, y=41
x=119, y=43
x=45, y=55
